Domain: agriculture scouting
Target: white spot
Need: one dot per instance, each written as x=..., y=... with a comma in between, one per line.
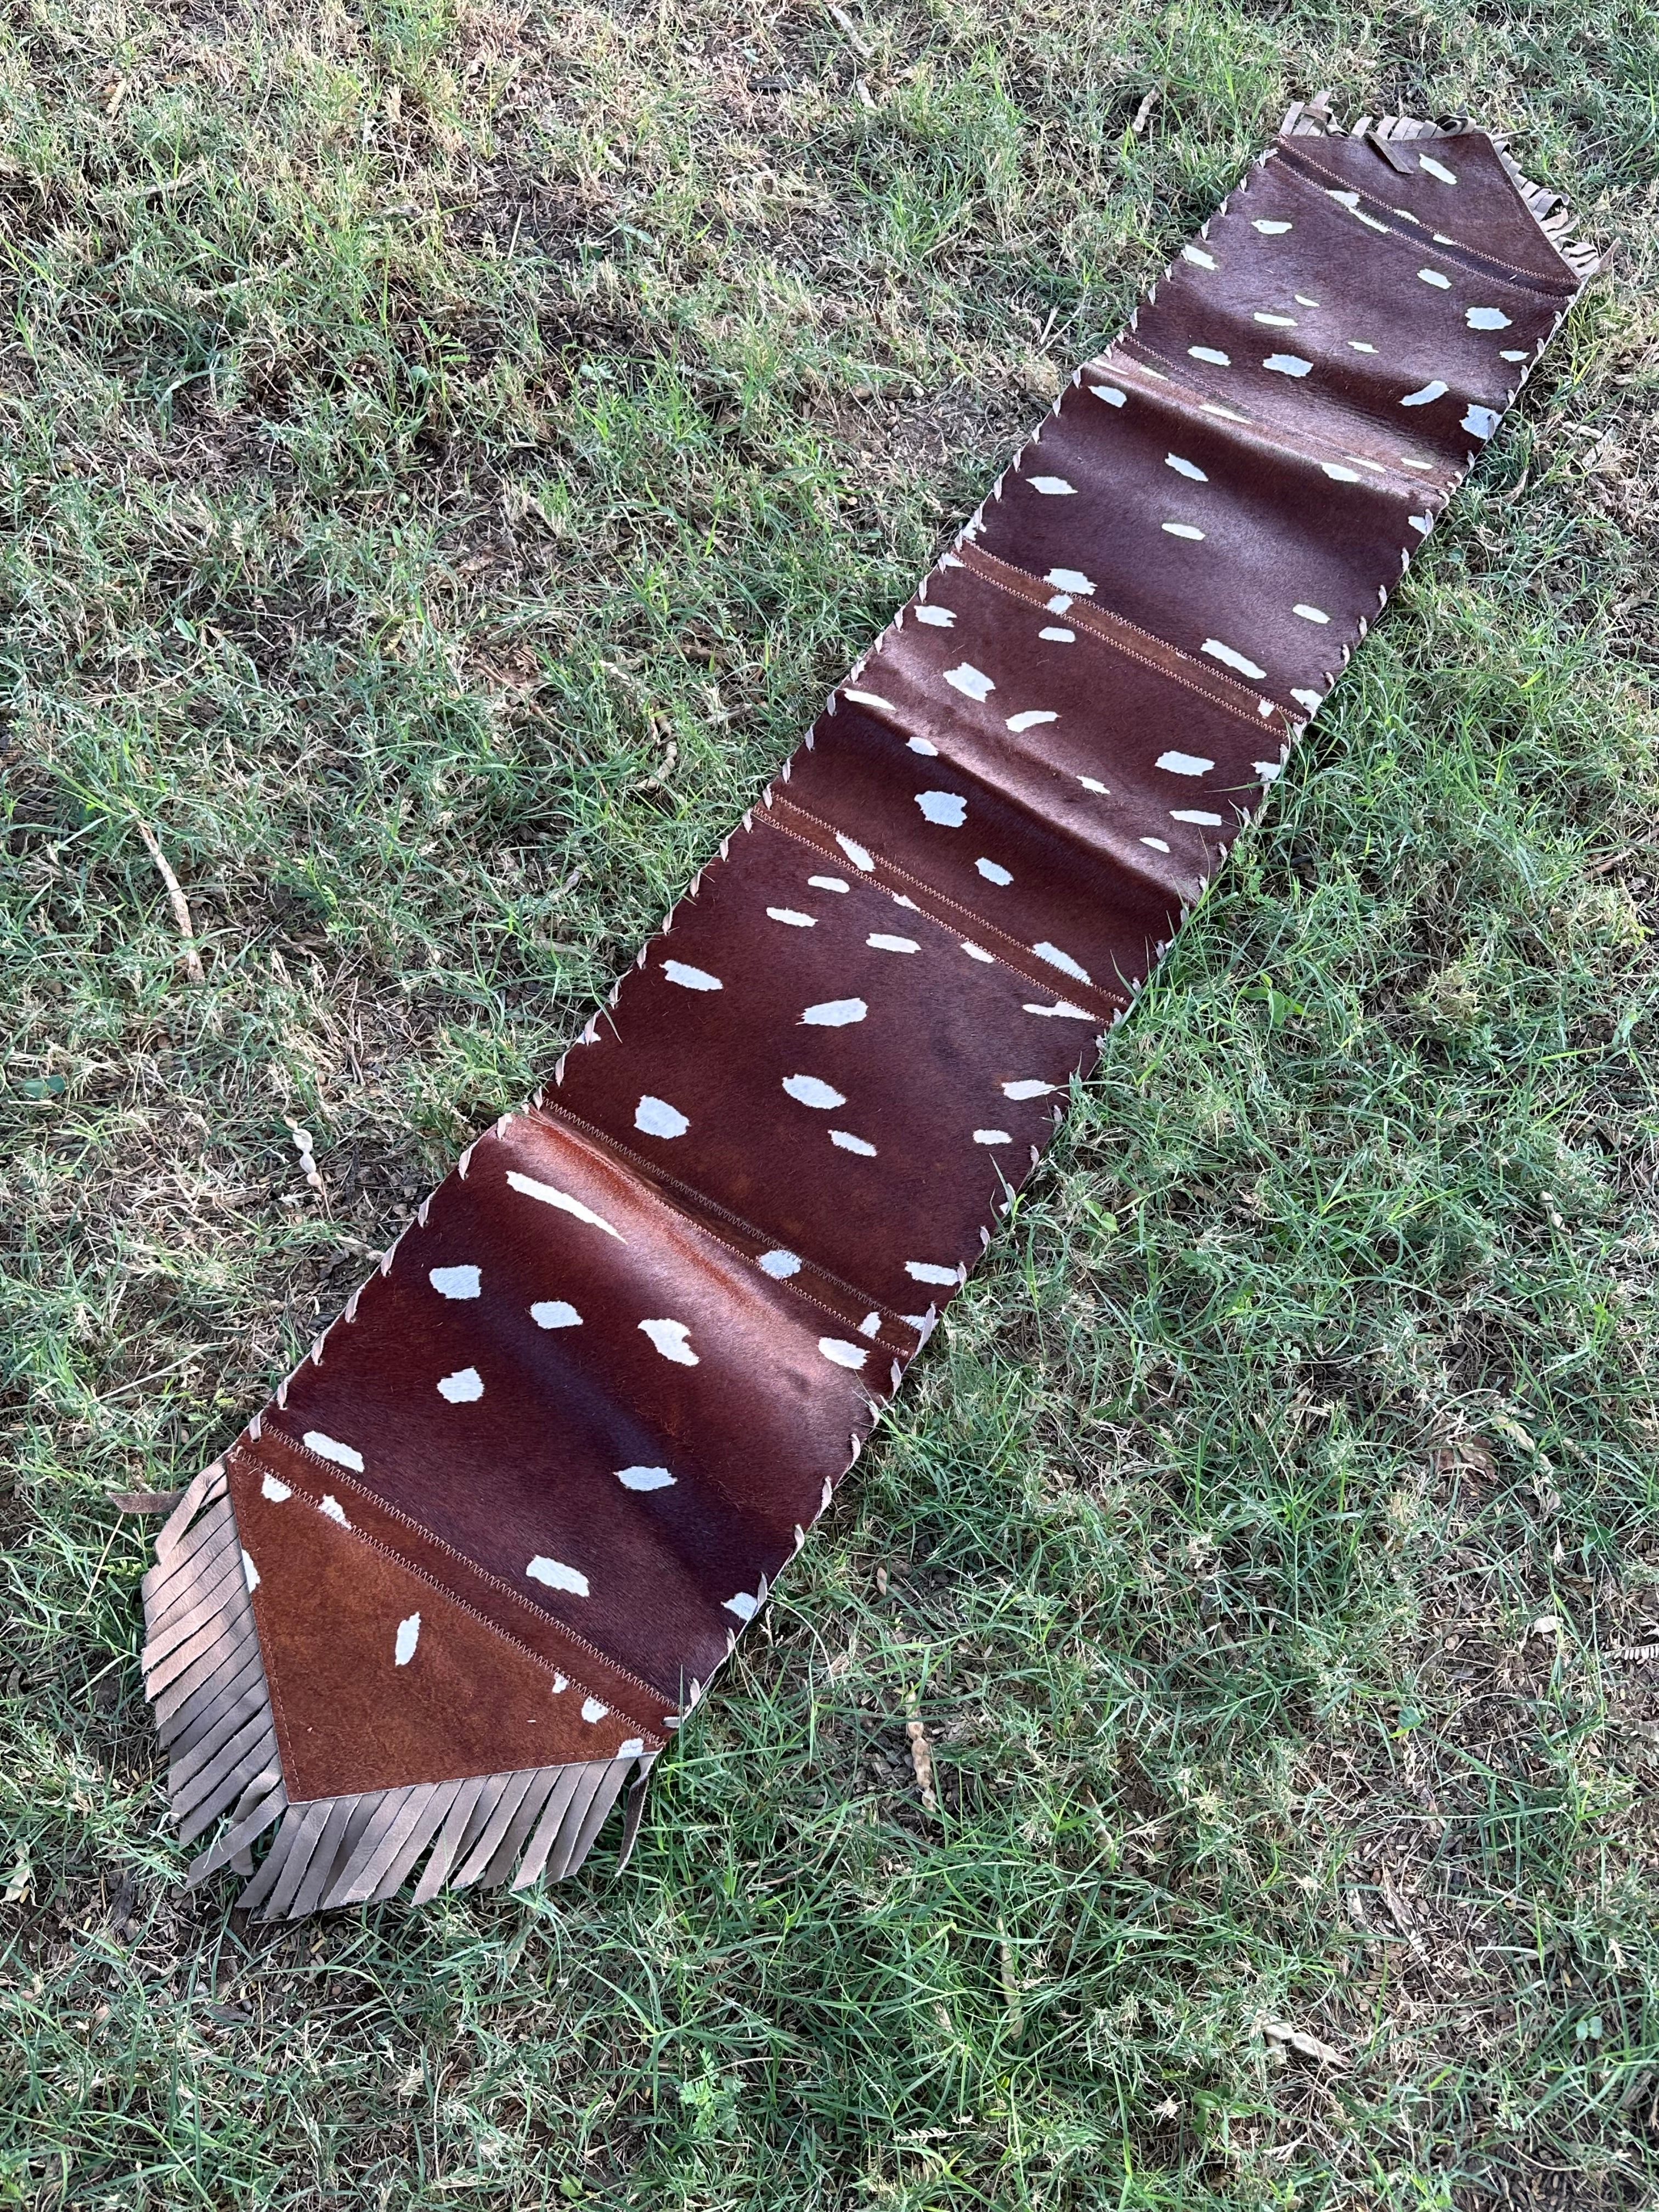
x=1434, y=390
x=925, y=746
x=1433, y=276
x=1055, y=635
x=1027, y=1087
x=561, y=1683
x=275, y=1491
x=1303, y=301
x=1276, y=322
x=790, y=919
x=1196, y=816
x=646, y=1478
x=1288, y=364
x=992, y=872
x=1063, y=961
x=1059, y=1011
x=871, y=1325
x=1270, y=229
x=1371, y=222
x=1348, y=199
x=1071, y=580
x=690, y=978
x=978, y=953
x=1196, y=254
x=1185, y=468
x=332, y=1510
x=1422, y=524
x=547, y=1195
x=1520, y=355
x=1269, y=771
x=1109, y=392
x=1052, y=487
x=943, y=807
x=327, y=1448
x=1059, y=604
x=835, y=1013
x=1183, y=530
x=593, y=1711
x=840, y=1354
x=1437, y=168
x=1338, y=474
x=742, y=1605
x=869, y=699
x=463, y=1387
x=1359, y=345
x=1313, y=701
x=973, y=683
x=554, y=1313
x=1185, y=764
x=1157, y=844
x=856, y=853
x=1210, y=353
x=655, y=1117
x=455, y=1282
x=829, y=883
x=669, y=1337
x=408, y=1635
x=807, y=1090
x=779, y=1264
x=1310, y=614
x=557, y=1576
x=1482, y=421
x=1488, y=319
x=879, y=942
x=1031, y=721
x=991, y=1137
x=632, y=1748
x=1215, y=648
x=846, y=1142
x=936, y=617
x=1093, y=783
x=250, y=1572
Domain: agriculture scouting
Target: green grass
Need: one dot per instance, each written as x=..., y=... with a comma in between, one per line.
x=448, y=451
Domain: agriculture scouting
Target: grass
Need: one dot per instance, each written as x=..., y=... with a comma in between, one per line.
x=448, y=447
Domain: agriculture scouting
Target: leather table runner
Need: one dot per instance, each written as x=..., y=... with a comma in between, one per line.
x=482, y=1553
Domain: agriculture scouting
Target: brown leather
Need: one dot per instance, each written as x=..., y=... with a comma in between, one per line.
x=587, y=1408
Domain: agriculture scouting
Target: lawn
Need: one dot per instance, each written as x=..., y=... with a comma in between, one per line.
x=448, y=449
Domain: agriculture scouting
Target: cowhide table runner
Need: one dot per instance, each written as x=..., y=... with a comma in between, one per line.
x=488, y=1545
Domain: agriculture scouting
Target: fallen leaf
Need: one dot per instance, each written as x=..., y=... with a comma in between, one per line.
x=1305, y=2046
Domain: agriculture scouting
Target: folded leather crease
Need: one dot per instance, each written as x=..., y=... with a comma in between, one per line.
x=457, y=1583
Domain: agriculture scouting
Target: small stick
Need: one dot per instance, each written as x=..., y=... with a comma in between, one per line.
x=1143, y=112
x=857, y=44
x=177, y=901
x=921, y=1758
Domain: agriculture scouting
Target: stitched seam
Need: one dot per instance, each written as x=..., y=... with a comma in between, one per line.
x=1019, y=583
x=1399, y=481
x=1490, y=265
x=1116, y=1001
x=649, y=1168
x=360, y=1490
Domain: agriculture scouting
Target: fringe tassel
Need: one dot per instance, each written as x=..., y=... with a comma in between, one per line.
x=204, y=1676
x=538, y=1823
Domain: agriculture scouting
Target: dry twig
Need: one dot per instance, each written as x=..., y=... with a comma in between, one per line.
x=177, y=901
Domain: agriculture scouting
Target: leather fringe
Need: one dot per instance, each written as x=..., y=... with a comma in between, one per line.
x=204, y=1676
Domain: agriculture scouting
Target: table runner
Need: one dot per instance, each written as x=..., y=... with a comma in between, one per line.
x=480, y=1556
